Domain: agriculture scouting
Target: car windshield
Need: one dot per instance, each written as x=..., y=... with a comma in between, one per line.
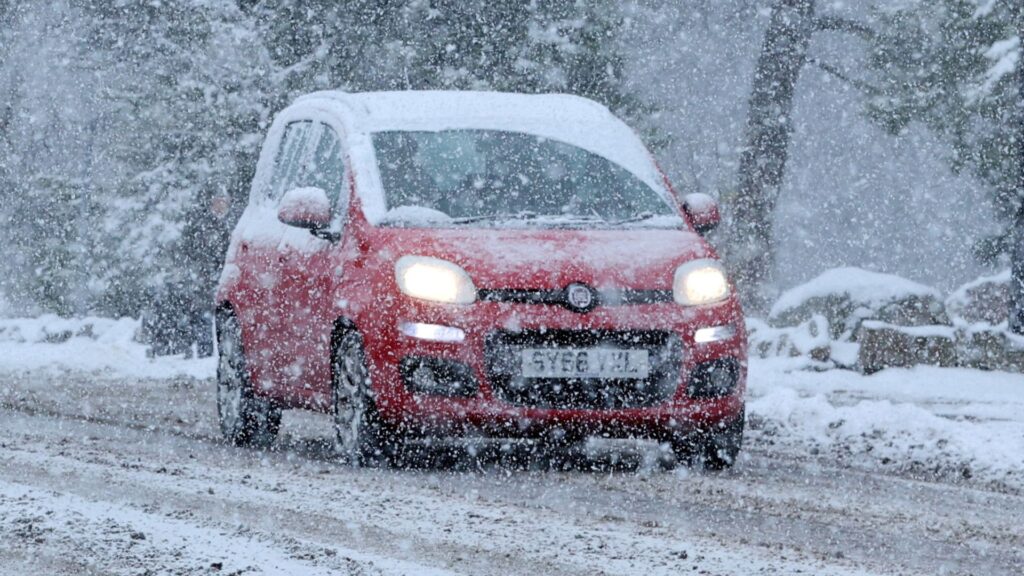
x=492, y=177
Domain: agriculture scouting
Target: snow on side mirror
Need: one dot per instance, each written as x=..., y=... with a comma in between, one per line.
x=703, y=212
x=306, y=208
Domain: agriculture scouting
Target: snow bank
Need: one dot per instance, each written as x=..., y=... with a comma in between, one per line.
x=89, y=344
x=949, y=421
x=54, y=330
x=964, y=291
x=930, y=331
x=855, y=302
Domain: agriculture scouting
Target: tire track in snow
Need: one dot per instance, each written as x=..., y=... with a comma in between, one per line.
x=395, y=517
x=786, y=508
x=137, y=539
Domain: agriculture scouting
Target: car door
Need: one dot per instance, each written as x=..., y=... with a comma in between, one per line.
x=260, y=236
x=309, y=270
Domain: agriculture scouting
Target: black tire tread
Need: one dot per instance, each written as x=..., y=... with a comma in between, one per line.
x=379, y=443
x=261, y=419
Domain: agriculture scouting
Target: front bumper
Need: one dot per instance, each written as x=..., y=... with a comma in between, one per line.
x=494, y=407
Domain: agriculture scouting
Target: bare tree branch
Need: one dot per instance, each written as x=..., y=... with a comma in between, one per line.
x=840, y=24
x=837, y=73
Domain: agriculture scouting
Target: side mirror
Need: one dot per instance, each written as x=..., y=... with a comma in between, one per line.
x=703, y=212
x=306, y=208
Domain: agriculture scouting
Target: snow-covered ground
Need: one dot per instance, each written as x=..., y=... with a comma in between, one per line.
x=931, y=421
x=89, y=345
x=110, y=463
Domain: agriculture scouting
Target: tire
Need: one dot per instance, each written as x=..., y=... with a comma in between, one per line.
x=360, y=435
x=722, y=445
x=245, y=419
x=717, y=448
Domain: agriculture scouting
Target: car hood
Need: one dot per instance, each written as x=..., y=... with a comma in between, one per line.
x=627, y=258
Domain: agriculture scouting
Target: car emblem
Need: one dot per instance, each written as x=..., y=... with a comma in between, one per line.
x=579, y=297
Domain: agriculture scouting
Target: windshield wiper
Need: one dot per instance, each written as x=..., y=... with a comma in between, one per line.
x=553, y=219
x=635, y=218
x=524, y=215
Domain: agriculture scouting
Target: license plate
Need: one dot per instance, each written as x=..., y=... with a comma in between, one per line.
x=584, y=363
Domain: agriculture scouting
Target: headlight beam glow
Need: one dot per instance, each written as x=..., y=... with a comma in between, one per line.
x=434, y=279
x=700, y=282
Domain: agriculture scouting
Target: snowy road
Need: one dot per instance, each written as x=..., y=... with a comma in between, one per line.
x=114, y=475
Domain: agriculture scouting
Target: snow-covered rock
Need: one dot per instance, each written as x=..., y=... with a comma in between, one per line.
x=986, y=299
x=990, y=347
x=885, y=345
x=871, y=320
x=845, y=297
x=979, y=310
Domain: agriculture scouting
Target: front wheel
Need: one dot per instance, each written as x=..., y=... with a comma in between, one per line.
x=245, y=419
x=360, y=435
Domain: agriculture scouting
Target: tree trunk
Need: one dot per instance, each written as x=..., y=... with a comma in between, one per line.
x=763, y=161
x=1016, y=319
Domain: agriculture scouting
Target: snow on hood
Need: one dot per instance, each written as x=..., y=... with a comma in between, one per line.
x=502, y=258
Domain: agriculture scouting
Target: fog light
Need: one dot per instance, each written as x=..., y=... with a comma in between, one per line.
x=438, y=376
x=714, y=334
x=422, y=378
x=714, y=379
x=435, y=332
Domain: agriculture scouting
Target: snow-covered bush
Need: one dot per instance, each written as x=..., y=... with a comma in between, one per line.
x=51, y=329
x=808, y=339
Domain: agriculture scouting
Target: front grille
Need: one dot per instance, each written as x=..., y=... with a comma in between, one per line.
x=503, y=357
x=604, y=297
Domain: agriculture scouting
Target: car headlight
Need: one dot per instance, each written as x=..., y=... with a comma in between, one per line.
x=700, y=282
x=434, y=279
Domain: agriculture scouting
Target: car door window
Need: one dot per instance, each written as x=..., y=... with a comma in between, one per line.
x=328, y=164
x=291, y=155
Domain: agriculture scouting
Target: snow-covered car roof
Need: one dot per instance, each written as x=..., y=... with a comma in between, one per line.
x=566, y=118
x=376, y=111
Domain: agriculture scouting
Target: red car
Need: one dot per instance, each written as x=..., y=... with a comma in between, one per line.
x=427, y=264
